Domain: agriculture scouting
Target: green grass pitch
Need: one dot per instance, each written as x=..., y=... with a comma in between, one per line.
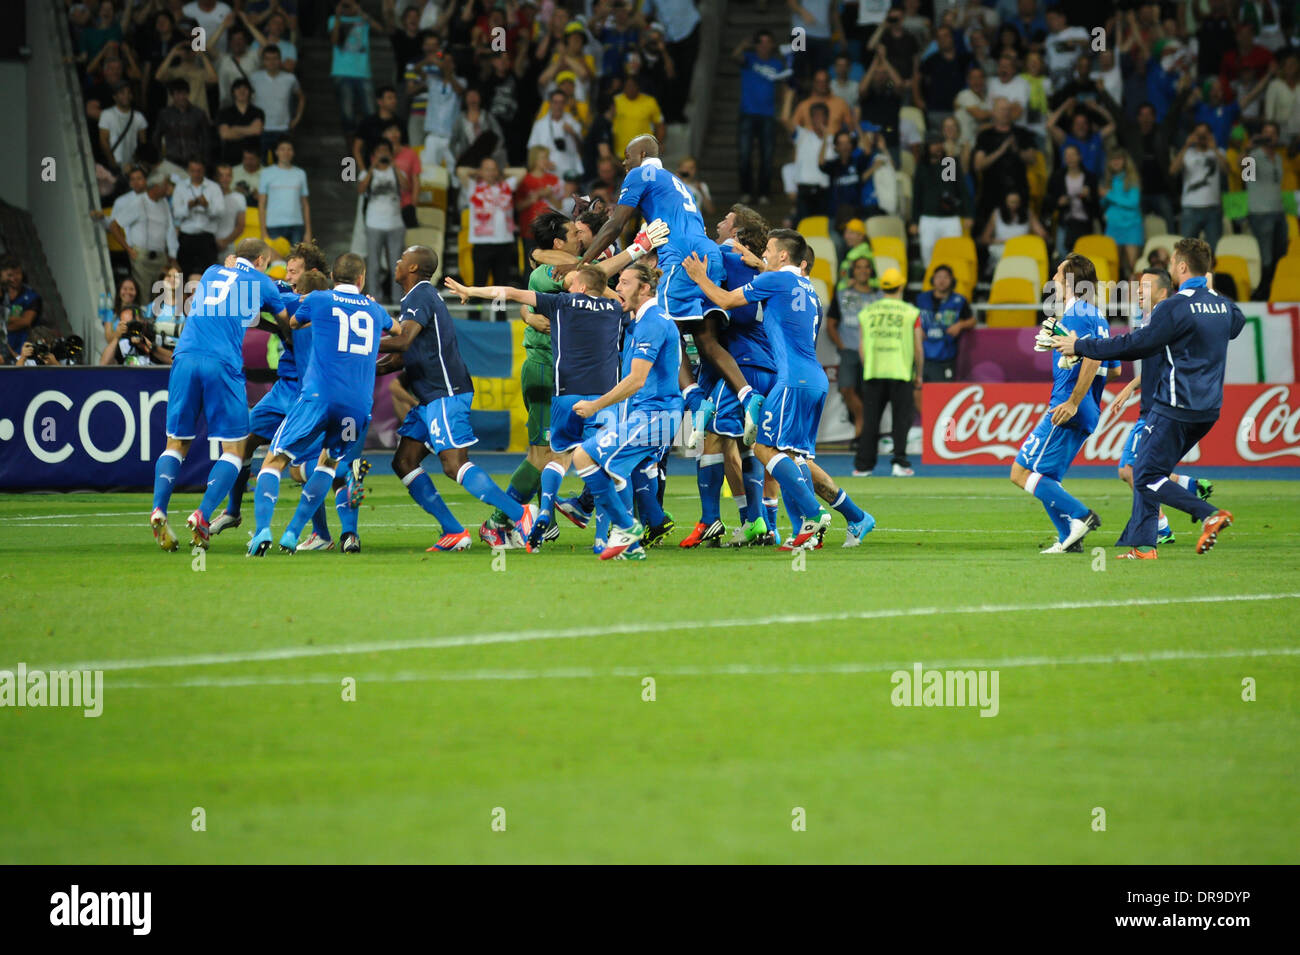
x=516, y=694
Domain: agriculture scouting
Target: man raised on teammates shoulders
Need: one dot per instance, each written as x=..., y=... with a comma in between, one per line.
x=207, y=377
x=332, y=411
x=792, y=411
x=1187, y=341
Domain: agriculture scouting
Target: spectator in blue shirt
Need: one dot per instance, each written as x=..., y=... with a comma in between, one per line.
x=618, y=37
x=762, y=68
x=945, y=317
x=350, y=61
x=20, y=306
x=846, y=169
x=1082, y=136
x=1214, y=112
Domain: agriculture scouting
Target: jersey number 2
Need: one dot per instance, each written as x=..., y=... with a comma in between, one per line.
x=360, y=323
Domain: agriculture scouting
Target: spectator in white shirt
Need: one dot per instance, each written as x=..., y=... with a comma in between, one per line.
x=559, y=132
x=1010, y=86
x=273, y=92
x=1282, y=99
x=973, y=106
x=811, y=184
x=197, y=205
x=234, y=208
x=382, y=186
x=142, y=223
x=1064, y=44
x=209, y=14
x=491, y=203
x=240, y=61
x=121, y=129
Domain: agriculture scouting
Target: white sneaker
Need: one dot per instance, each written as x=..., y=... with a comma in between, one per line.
x=316, y=542
x=857, y=473
x=737, y=538
x=900, y=470
x=1057, y=548
x=1081, y=528
x=222, y=521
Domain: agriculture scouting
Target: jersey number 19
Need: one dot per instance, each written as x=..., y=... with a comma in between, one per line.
x=360, y=323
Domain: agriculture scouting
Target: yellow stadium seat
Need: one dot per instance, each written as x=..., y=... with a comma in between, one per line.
x=431, y=217
x=1154, y=225
x=113, y=244
x=886, y=225
x=1097, y=247
x=1286, y=286
x=891, y=246
x=955, y=248
x=1246, y=246
x=822, y=270
x=1032, y=246
x=252, y=223
x=1293, y=246
x=1012, y=291
x=814, y=227
x=1017, y=267
x=823, y=292
x=824, y=251
x=1292, y=229
x=1237, y=267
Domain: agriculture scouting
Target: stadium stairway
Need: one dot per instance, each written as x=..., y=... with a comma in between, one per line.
x=718, y=157
x=319, y=142
x=18, y=234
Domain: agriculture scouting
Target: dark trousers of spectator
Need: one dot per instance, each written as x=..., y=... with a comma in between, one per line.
x=760, y=129
x=683, y=53
x=876, y=393
x=1203, y=218
x=195, y=252
x=293, y=234
x=148, y=268
x=810, y=201
x=939, y=370
x=500, y=259
x=356, y=100
x=1269, y=230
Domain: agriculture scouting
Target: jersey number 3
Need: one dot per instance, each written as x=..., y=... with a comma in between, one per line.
x=362, y=324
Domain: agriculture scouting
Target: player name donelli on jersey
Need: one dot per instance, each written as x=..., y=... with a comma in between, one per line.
x=922, y=687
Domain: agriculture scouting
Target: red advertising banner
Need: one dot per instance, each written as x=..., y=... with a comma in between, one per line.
x=985, y=423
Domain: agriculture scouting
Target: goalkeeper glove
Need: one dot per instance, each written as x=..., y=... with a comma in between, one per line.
x=753, y=410
x=651, y=237
x=703, y=415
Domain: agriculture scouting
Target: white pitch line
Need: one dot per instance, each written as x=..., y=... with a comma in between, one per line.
x=649, y=626
x=725, y=669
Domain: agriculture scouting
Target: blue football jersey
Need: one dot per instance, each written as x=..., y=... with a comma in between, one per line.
x=744, y=338
x=299, y=342
x=658, y=194
x=584, y=341
x=433, y=362
x=1085, y=321
x=654, y=337
x=226, y=302
x=791, y=314
x=346, y=328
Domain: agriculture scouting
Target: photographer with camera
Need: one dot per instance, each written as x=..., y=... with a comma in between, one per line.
x=135, y=341
x=44, y=349
x=20, y=305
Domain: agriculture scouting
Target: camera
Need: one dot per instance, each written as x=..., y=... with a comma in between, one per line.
x=139, y=332
x=67, y=350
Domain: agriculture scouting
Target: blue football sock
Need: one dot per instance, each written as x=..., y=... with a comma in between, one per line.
x=709, y=476
x=602, y=520
x=479, y=483
x=347, y=515
x=1055, y=497
x=751, y=470
x=645, y=491
x=602, y=489
x=844, y=504
x=313, y=495
x=319, y=526
x=769, y=512
x=552, y=477
x=806, y=472
x=264, y=497
x=235, y=505
x=800, y=502
x=220, y=480
x=420, y=486
x=164, y=478
x=1059, y=521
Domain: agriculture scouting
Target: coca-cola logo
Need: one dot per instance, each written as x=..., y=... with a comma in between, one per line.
x=999, y=428
x=1267, y=420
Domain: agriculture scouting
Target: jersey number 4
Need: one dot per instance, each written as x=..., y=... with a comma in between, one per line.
x=362, y=324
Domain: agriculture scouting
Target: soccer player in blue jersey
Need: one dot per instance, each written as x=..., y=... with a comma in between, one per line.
x=792, y=410
x=1153, y=288
x=584, y=325
x=1072, y=414
x=332, y=411
x=656, y=194
x=426, y=342
x=719, y=416
x=267, y=414
x=207, y=377
x=648, y=410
